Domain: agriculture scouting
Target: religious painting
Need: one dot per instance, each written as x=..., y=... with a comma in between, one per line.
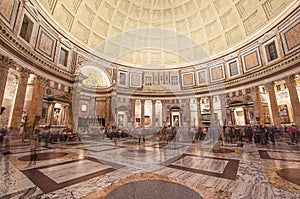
x=284, y=116
x=282, y=95
x=188, y=79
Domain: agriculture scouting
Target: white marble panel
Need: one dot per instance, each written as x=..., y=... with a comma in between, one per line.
x=286, y=156
x=206, y=164
x=70, y=171
x=101, y=147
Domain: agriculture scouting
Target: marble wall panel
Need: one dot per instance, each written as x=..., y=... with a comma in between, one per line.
x=217, y=73
x=8, y=11
x=292, y=37
x=46, y=43
x=6, y=8
x=188, y=79
x=135, y=80
x=251, y=60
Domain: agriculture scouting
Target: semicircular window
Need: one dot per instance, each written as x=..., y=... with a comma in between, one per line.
x=95, y=77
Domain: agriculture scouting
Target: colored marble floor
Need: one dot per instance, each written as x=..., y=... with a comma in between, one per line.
x=125, y=169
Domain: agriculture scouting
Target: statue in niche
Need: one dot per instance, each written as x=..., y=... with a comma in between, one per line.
x=56, y=115
x=176, y=120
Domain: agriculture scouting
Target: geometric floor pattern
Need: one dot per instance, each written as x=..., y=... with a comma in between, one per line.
x=96, y=169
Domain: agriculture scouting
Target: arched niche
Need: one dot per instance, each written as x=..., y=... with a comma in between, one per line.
x=95, y=76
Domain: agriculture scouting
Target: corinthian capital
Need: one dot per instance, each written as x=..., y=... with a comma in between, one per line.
x=290, y=79
x=24, y=72
x=5, y=61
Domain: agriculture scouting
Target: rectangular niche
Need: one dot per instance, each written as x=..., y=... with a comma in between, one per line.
x=217, y=73
x=188, y=79
x=233, y=67
x=122, y=78
x=46, y=44
x=251, y=60
x=26, y=29
x=136, y=80
x=63, y=56
x=202, y=77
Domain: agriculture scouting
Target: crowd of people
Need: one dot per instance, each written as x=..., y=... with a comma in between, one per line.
x=255, y=133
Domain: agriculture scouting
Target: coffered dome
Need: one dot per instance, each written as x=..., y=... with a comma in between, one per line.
x=163, y=32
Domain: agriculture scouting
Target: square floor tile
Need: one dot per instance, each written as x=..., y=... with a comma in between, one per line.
x=211, y=166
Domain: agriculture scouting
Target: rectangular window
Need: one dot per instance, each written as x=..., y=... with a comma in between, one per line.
x=148, y=81
x=26, y=29
x=233, y=68
x=122, y=80
x=174, y=80
x=271, y=51
x=63, y=57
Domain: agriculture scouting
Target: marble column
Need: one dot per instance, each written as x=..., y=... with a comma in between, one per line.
x=232, y=117
x=113, y=109
x=211, y=108
x=257, y=105
x=273, y=104
x=188, y=112
x=164, y=112
x=35, y=111
x=223, y=108
x=92, y=107
x=142, y=113
x=76, y=106
x=20, y=99
x=70, y=122
x=153, y=113
x=66, y=119
x=294, y=98
x=199, y=111
x=132, y=112
x=5, y=63
x=107, y=111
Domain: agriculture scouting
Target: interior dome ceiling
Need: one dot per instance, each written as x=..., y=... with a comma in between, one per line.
x=163, y=32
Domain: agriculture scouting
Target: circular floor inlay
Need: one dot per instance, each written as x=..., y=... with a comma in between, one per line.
x=148, y=189
x=44, y=156
x=292, y=175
